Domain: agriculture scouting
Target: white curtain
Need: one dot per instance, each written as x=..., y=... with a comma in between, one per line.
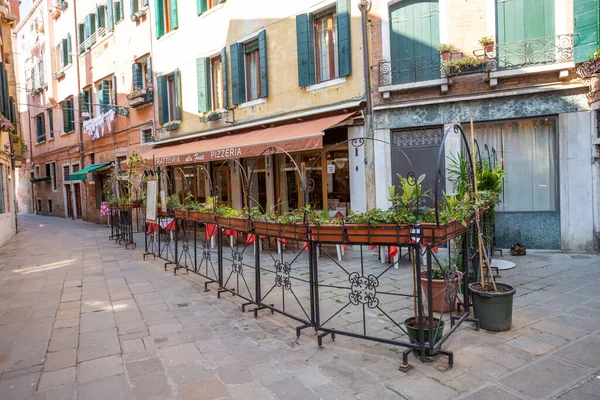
x=527, y=151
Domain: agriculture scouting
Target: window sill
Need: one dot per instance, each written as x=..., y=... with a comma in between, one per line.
x=326, y=84
x=42, y=142
x=253, y=103
x=538, y=69
x=212, y=10
x=442, y=82
x=168, y=34
x=67, y=133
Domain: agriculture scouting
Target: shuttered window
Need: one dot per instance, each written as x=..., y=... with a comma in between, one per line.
x=169, y=97
x=249, y=70
x=68, y=115
x=324, y=45
x=586, y=15
x=203, y=78
x=166, y=18
x=204, y=5
x=51, y=123
x=40, y=128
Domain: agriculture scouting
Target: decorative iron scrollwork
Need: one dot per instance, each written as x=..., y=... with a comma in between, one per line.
x=237, y=262
x=282, y=274
x=363, y=290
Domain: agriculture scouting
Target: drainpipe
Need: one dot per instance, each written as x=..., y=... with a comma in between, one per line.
x=365, y=6
x=81, y=150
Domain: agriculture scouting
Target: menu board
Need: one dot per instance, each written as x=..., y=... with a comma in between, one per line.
x=151, y=197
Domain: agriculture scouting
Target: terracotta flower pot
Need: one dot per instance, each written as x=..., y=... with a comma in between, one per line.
x=446, y=55
x=206, y=217
x=294, y=231
x=267, y=228
x=181, y=213
x=235, y=223
x=489, y=48
x=438, y=288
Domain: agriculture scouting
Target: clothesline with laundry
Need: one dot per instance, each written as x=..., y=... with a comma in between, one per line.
x=95, y=126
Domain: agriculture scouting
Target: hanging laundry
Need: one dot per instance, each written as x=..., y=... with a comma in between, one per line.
x=95, y=126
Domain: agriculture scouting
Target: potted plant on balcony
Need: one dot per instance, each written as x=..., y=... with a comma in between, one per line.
x=462, y=65
x=488, y=43
x=446, y=51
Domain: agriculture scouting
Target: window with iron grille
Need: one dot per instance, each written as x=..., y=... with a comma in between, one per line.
x=146, y=136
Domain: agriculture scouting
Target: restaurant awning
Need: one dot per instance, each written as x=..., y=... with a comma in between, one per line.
x=306, y=135
x=82, y=173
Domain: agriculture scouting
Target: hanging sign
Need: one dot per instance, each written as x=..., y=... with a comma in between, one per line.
x=331, y=168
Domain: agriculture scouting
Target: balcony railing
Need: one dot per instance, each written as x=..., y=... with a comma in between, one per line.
x=409, y=70
x=530, y=53
x=89, y=42
x=527, y=53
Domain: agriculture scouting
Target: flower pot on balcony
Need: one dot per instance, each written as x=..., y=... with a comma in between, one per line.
x=489, y=48
x=446, y=55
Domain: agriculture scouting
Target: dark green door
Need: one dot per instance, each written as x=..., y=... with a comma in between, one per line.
x=525, y=33
x=414, y=39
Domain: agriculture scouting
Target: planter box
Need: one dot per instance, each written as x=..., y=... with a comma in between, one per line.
x=234, y=223
x=279, y=230
x=433, y=233
x=181, y=213
x=327, y=233
x=125, y=207
x=381, y=234
x=201, y=216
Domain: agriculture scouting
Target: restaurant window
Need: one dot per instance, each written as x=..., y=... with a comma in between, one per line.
x=222, y=182
x=526, y=150
x=288, y=192
x=326, y=47
x=258, y=194
x=166, y=17
x=338, y=182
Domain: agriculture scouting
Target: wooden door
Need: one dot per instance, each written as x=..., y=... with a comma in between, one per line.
x=77, y=190
x=414, y=41
x=69, y=201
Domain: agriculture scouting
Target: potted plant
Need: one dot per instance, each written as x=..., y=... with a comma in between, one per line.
x=293, y=225
x=488, y=43
x=439, y=287
x=463, y=64
x=375, y=226
x=446, y=51
x=230, y=218
x=173, y=203
x=325, y=229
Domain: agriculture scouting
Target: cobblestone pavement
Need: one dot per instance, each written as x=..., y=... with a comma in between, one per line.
x=81, y=317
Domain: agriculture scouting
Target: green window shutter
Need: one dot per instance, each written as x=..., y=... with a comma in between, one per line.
x=105, y=95
x=113, y=94
x=201, y=6
x=93, y=23
x=88, y=26
x=305, y=48
x=163, y=101
x=65, y=115
x=512, y=26
x=225, y=77
x=69, y=57
x=344, y=40
x=173, y=7
x=149, y=83
x=238, y=81
x=586, y=20
x=83, y=100
x=177, y=83
x=101, y=17
x=110, y=17
x=39, y=130
x=51, y=122
x=133, y=6
x=160, y=18
x=203, y=84
x=118, y=10
x=263, y=62
x=43, y=118
x=81, y=37
x=136, y=73
x=65, y=52
x=71, y=113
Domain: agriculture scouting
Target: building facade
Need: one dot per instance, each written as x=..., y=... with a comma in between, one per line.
x=529, y=106
x=11, y=144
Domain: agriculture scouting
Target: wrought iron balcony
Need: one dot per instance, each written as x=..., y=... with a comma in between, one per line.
x=90, y=41
x=529, y=53
x=409, y=70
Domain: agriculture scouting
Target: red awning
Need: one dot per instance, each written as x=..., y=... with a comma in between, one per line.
x=307, y=135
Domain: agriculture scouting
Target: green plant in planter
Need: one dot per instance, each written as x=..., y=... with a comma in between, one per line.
x=445, y=47
x=464, y=64
x=173, y=202
x=456, y=208
x=409, y=206
x=486, y=41
x=372, y=217
x=228, y=212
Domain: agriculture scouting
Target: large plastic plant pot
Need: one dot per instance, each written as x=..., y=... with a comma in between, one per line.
x=494, y=309
x=413, y=332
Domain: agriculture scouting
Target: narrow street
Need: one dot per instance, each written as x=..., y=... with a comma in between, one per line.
x=84, y=318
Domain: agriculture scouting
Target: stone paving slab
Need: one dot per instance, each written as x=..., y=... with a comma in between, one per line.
x=83, y=318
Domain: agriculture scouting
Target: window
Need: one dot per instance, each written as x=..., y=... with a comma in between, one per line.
x=40, y=124
x=2, y=190
x=137, y=5
x=252, y=71
x=146, y=136
x=48, y=173
x=204, y=5
x=323, y=44
x=38, y=80
x=117, y=11
x=216, y=70
x=37, y=172
x=38, y=203
x=62, y=54
x=169, y=95
x=141, y=74
x=527, y=152
x=326, y=43
x=68, y=115
x=51, y=123
x=166, y=17
x=49, y=206
x=66, y=173
x=53, y=175
x=249, y=77
x=106, y=95
x=86, y=98
x=119, y=160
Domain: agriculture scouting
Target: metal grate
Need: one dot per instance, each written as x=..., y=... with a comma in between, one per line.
x=418, y=137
